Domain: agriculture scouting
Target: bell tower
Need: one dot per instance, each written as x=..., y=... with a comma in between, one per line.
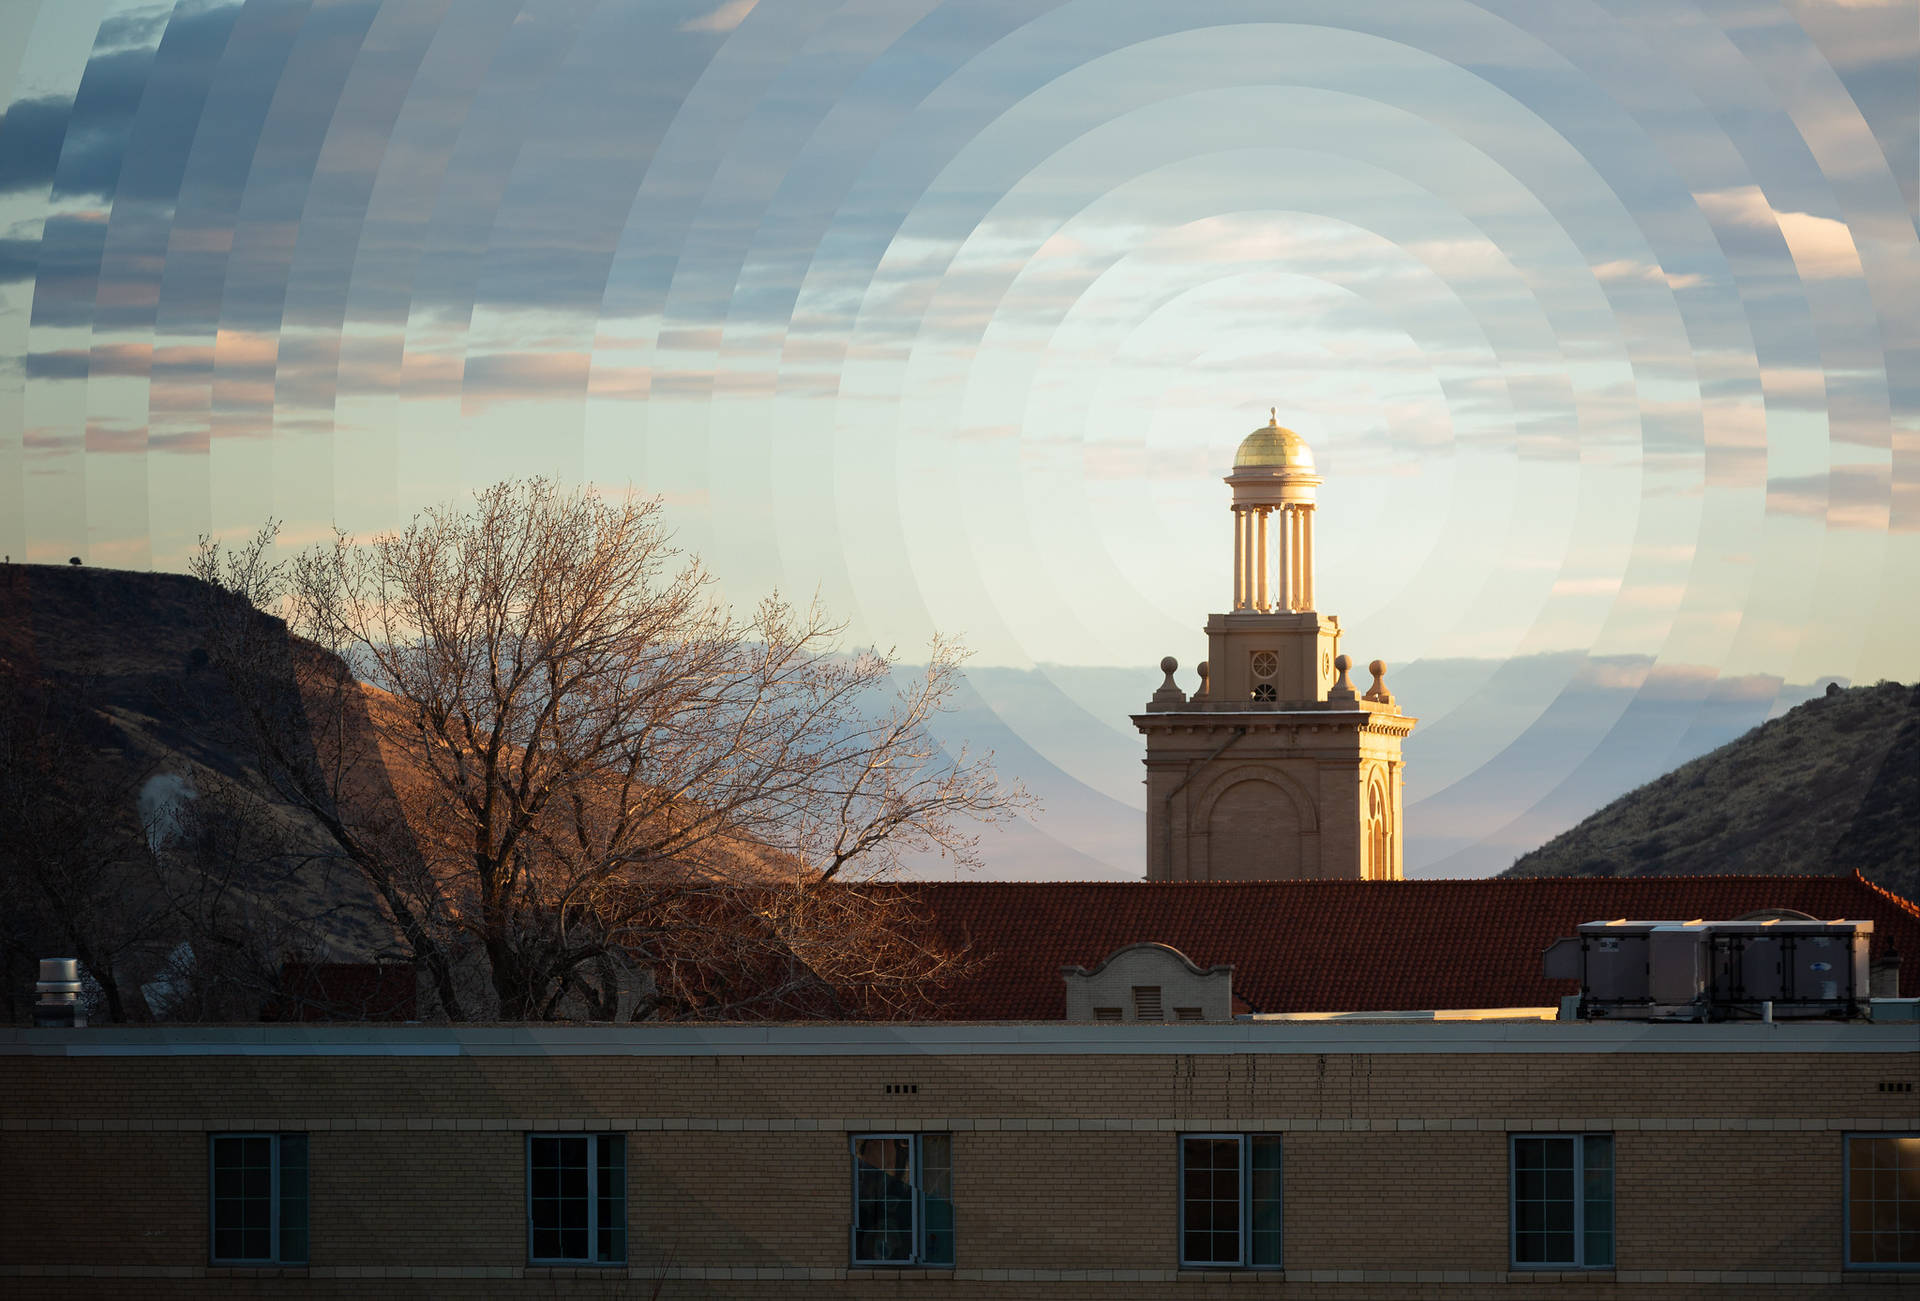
x=1275, y=768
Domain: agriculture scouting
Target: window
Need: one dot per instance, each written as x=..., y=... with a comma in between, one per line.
x=1230, y=1200
x=902, y=1199
x=259, y=1199
x=577, y=1199
x=1379, y=864
x=1563, y=1200
x=1883, y=1201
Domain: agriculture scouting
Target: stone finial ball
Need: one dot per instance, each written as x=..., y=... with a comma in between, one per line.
x=1378, y=668
x=1202, y=670
x=1169, y=664
x=1343, y=662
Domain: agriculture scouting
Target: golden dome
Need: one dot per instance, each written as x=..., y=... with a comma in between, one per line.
x=1272, y=447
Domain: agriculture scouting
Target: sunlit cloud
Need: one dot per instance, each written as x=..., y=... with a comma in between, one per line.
x=1629, y=271
x=1846, y=497
x=1822, y=248
x=723, y=19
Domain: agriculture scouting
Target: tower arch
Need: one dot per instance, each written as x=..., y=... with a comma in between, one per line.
x=1256, y=822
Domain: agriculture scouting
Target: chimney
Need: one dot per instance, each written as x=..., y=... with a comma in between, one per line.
x=1883, y=978
x=59, y=991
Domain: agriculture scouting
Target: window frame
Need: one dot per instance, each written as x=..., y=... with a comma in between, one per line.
x=276, y=1230
x=1246, y=1141
x=1579, y=1263
x=915, y=1143
x=1846, y=1204
x=593, y=1260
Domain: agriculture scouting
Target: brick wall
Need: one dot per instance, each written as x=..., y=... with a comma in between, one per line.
x=1728, y=1168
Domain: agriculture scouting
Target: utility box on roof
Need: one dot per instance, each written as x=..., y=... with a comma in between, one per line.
x=1695, y=970
x=1677, y=962
x=1802, y=968
x=1610, y=960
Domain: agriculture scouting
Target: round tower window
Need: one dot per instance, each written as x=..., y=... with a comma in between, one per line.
x=1265, y=664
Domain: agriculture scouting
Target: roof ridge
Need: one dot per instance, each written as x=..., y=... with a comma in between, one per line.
x=1907, y=905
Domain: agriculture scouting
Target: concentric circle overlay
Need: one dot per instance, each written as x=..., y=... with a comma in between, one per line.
x=1603, y=323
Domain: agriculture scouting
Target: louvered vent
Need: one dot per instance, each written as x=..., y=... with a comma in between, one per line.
x=1146, y=1003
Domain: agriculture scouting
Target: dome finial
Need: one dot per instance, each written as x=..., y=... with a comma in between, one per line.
x=1273, y=416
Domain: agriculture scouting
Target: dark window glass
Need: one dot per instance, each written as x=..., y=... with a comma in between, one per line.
x=1596, y=1192
x=293, y=1198
x=259, y=1202
x=1210, y=1201
x=1563, y=1200
x=577, y=1197
x=883, y=1199
x=610, y=1188
x=902, y=1199
x=1230, y=1200
x=936, y=1192
x=1264, y=1220
x=1883, y=1201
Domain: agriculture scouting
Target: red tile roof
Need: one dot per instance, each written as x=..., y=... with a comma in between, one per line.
x=1352, y=946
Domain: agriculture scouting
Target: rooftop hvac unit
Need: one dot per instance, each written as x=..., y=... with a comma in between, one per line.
x=1802, y=968
x=1698, y=970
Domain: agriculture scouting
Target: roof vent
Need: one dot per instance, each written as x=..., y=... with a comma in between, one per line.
x=59, y=994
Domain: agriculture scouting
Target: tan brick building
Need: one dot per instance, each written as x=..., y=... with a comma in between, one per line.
x=1357, y=1159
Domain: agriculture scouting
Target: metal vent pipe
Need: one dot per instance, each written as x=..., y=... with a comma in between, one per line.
x=59, y=994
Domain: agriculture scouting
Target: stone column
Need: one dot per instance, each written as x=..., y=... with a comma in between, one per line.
x=1239, y=558
x=1306, y=556
x=1260, y=592
x=1246, y=565
x=1286, y=559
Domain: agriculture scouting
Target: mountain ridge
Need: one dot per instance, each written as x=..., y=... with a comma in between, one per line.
x=1830, y=787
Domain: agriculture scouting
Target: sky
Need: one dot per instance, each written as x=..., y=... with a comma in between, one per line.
x=1602, y=321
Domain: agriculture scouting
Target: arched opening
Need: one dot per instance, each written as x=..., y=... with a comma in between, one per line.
x=1379, y=866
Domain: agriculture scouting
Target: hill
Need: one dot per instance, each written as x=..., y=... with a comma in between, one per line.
x=140, y=830
x=1831, y=787
x=141, y=835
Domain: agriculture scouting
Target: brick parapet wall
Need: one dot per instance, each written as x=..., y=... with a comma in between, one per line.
x=1728, y=1182
x=153, y=1090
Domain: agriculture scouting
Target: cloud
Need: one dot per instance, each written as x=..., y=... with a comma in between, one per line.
x=1822, y=248
x=1627, y=270
x=80, y=363
x=1603, y=586
x=83, y=140
x=724, y=19
x=1847, y=497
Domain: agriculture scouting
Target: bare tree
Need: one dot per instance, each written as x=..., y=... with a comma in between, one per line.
x=532, y=729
